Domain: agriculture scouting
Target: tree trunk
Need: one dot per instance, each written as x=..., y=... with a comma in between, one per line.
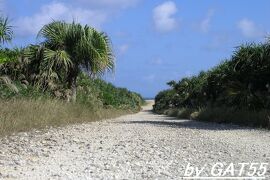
x=72, y=84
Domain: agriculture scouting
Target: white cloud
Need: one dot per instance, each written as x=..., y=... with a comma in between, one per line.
x=110, y=3
x=30, y=25
x=205, y=23
x=92, y=12
x=250, y=29
x=163, y=16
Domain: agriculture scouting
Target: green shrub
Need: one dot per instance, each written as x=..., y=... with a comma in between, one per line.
x=94, y=93
x=8, y=55
x=239, y=84
x=163, y=101
x=229, y=115
x=99, y=92
x=171, y=112
x=23, y=92
x=184, y=113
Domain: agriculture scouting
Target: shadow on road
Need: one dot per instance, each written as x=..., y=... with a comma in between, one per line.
x=162, y=120
x=147, y=110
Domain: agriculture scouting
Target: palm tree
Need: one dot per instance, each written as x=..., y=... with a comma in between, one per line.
x=6, y=32
x=69, y=48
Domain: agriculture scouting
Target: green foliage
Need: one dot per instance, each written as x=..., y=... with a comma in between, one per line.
x=94, y=93
x=65, y=50
x=54, y=68
x=6, y=31
x=164, y=100
x=171, y=112
x=245, y=117
x=5, y=81
x=184, y=113
x=242, y=82
x=22, y=91
x=99, y=92
x=7, y=55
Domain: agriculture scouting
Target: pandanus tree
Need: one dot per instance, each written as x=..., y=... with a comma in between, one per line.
x=67, y=49
x=6, y=31
x=6, y=34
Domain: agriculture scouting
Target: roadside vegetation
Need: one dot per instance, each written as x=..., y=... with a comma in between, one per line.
x=59, y=81
x=235, y=91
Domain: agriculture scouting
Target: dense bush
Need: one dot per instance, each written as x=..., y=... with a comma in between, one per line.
x=164, y=100
x=102, y=93
x=8, y=55
x=95, y=93
x=241, y=82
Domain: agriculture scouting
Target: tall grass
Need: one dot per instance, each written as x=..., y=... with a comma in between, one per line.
x=19, y=115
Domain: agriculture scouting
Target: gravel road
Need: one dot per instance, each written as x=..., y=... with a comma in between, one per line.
x=138, y=146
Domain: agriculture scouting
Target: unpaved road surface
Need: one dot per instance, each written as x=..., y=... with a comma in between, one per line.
x=139, y=146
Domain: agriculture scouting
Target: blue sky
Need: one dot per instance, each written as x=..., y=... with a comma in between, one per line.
x=155, y=41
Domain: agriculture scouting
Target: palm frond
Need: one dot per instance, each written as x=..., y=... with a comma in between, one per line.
x=55, y=59
x=6, y=31
x=7, y=81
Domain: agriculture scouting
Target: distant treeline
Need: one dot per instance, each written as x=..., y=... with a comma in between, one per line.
x=237, y=90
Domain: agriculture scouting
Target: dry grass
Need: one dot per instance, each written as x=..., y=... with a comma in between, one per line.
x=23, y=115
